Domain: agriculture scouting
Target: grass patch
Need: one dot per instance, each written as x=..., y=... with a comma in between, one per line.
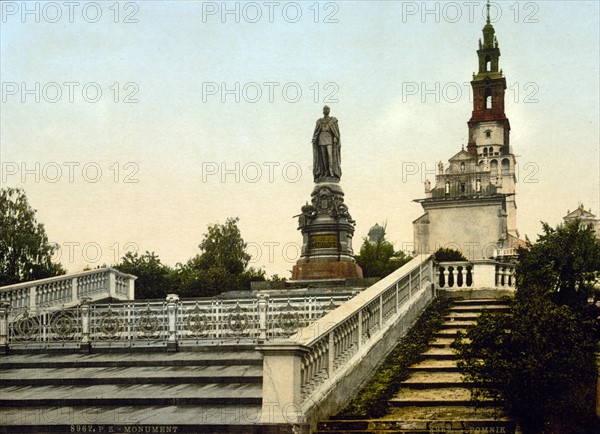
x=372, y=400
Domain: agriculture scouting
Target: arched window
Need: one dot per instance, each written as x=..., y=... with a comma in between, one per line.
x=493, y=167
x=488, y=98
x=485, y=152
x=505, y=166
x=488, y=63
x=488, y=134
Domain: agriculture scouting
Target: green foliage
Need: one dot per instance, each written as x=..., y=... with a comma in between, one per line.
x=223, y=247
x=378, y=258
x=563, y=264
x=539, y=357
x=372, y=400
x=448, y=255
x=220, y=267
x=25, y=253
x=153, y=277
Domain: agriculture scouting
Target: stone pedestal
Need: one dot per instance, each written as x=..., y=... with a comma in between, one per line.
x=327, y=229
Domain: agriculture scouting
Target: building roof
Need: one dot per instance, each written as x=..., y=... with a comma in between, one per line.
x=579, y=213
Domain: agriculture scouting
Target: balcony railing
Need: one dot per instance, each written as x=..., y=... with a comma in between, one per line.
x=69, y=290
x=169, y=324
x=482, y=274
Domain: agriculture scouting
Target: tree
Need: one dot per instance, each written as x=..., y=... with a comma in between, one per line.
x=448, y=255
x=25, y=253
x=223, y=247
x=564, y=264
x=221, y=266
x=153, y=277
x=378, y=258
x=539, y=356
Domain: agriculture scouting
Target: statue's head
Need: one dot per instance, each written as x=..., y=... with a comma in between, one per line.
x=326, y=110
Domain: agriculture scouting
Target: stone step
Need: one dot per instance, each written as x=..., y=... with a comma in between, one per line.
x=443, y=342
x=417, y=426
x=462, y=324
x=429, y=397
x=440, y=354
x=433, y=365
x=449, y=333
x=206, y=418
x=133, y=395
x=479, y=308
x=429, y=379
x=466, y=316
x=437, y=413
x=127, y=360
x=480, y=301
x=144, y=375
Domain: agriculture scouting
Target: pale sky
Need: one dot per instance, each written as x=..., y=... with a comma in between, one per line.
x=107, y=175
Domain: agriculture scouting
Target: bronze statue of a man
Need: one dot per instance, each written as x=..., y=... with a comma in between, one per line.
x=326, y=149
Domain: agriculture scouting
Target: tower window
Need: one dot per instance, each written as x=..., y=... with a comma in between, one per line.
x=485, y=152
x=494, y=167
x=488, y=63
x=488, y=98
x=488, y=134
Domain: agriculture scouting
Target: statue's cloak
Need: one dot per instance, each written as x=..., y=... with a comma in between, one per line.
x=319, y=166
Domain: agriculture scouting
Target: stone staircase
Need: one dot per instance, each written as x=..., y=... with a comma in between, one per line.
x=205, y=391
x=435, y=399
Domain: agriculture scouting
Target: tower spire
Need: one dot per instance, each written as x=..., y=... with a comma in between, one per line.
x=488, y=12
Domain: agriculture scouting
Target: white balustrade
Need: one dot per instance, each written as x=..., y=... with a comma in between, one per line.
x=69, y=290
x=327, y=351
x=471, y=275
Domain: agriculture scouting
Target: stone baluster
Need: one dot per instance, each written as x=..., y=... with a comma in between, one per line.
x=172, y=300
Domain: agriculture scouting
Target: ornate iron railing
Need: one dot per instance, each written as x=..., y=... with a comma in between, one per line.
x=170, y=323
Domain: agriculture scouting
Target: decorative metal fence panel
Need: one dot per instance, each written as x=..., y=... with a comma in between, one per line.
x=45, y=329
x=156, y=323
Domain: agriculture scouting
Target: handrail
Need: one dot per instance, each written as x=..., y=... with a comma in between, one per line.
x=338, y=347
x=63, y=277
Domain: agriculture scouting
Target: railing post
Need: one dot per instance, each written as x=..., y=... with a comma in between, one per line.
x=85, y=346
x=112, y=284
x=172, y=300
x=32, y=298
x=263, y=300
x=4, y=306
x=74, y=295
x=281, y=393
x=131, y=288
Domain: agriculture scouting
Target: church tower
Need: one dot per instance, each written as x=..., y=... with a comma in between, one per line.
x=472, y=206
x=489, y=128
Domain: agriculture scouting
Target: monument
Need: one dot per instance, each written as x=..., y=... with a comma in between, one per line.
x=326, y=225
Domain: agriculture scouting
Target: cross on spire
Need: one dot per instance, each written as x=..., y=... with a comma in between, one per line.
x=488, y=12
